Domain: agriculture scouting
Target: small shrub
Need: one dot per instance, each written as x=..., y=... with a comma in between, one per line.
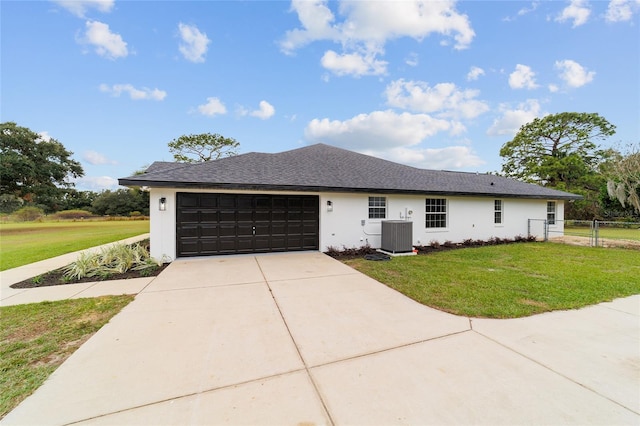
x=435, y=244
x=73, y=215
x=449, y=244
x=350, y=251
x=28, y=214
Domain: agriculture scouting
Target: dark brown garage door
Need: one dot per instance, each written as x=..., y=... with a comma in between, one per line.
x=210, y=224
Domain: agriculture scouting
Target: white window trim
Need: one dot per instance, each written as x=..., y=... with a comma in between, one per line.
x=555, y=213
x=446, y=206
x=501, y=223
x=386, y=208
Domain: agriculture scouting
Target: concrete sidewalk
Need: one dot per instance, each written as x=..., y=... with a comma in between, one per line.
x=301, y=339
x=18, y=296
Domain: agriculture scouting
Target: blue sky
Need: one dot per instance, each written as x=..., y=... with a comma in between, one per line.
x=431, y=84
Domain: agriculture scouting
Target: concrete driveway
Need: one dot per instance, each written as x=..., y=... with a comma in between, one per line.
x=301, y=339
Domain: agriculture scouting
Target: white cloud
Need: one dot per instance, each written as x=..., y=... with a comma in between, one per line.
x=474, y=73
x=95, y=158
x=80, y=7
x=265, y=111
x=395, y=137
x=213, y=107
x=353, y=64
x=444, y=98
x=317, y=24
x=553, y=88
x=194, y=43
x=44, y=136
x=412, y=59
x=143, y=93
x=523, y=11
x=107, y=44
x=96, y=183
x=621, y=10
x=574, y=74
x=578, y=11
x=511, y=120
x=377, y=130
x=365, y=27
x=522, y=78
x=448, y=158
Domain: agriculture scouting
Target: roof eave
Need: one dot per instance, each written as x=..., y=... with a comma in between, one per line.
x=315, y=188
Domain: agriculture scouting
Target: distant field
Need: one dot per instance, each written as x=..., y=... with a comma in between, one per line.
x=28, y=242
x=606, y=232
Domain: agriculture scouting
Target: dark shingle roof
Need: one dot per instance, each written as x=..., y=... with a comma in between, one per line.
x=326, y=168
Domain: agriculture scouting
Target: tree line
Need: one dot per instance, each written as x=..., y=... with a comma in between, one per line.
x=558, y=151
x=36, y=173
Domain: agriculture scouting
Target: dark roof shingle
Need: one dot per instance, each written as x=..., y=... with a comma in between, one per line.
x=326, y=168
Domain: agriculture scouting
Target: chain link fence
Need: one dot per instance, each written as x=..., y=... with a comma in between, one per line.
x=594, y=233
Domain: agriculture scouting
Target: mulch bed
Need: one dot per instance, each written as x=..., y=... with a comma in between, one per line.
x=56, y=278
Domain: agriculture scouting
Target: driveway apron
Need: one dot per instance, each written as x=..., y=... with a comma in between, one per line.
x=301, y=339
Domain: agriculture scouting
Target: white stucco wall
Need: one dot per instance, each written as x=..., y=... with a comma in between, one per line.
x=348, y=225
x=468, y=217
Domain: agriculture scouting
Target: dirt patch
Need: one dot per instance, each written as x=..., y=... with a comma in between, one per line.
x=602, y=242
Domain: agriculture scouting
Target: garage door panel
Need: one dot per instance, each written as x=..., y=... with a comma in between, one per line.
x=244, y=216
x=209, y=231
x=209, y=202
x=262, y=216
x=226, y=230
x=244, y=230
x=189, y=216
x=190, y=231
x=209, y=224
x=188, y=200
x=262, y=229
x=209, y=216
x=228, y=216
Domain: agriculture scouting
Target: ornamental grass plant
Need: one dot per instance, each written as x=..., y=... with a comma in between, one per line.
x=115, y=259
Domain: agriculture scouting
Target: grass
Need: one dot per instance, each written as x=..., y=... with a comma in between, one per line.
x=24, y=243
x=36, y=338
x=510, y=281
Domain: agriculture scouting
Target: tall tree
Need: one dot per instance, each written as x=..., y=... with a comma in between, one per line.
x=32, y=167
x=623, y=178
x=560, y=151
x=202, y=147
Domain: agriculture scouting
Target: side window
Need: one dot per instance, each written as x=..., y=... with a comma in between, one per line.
x=377, y=207
x=497, y=212
x=551, y=212
x=436, y=213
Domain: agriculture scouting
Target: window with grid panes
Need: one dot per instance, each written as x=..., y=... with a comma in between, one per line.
x=497, y=212
x=551, y=212
x=377, y=207
x=436, y=213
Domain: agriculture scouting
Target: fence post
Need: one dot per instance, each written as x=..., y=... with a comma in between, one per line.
x=546, y=230
x=597, y=229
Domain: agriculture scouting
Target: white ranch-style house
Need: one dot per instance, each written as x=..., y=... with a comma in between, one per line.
x=321, y=196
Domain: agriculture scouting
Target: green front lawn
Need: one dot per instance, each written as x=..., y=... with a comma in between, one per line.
x=509, y=281
x=36, y=338
x=28, y=242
